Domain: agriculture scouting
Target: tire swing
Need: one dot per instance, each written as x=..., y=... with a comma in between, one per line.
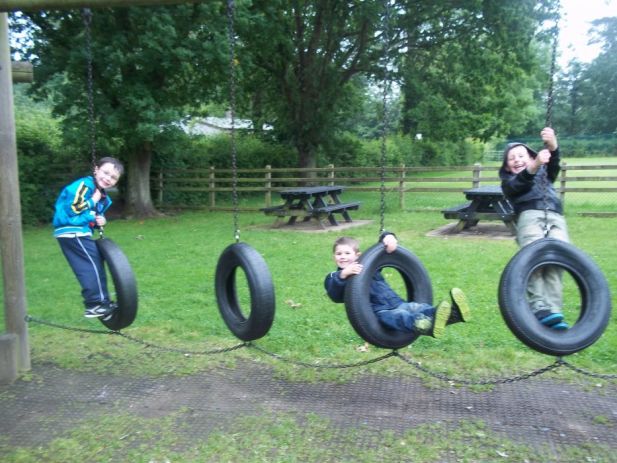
x=414, y=274
x=595, y=306
x=115, y=261
x=357, y=302
x=124, y=283
x=241, y=255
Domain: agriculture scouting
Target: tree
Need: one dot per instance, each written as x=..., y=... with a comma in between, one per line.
x=469, y=68
x=150, y=67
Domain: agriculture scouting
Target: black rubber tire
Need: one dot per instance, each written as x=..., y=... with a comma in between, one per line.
x=124, y=284
x=593, y=288
x=357, y=301
x=261, y=291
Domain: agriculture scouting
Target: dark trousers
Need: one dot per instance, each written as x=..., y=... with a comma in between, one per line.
x=87, y=264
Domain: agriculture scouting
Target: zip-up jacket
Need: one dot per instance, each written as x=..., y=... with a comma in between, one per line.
x=75, y=211
x=528, y=191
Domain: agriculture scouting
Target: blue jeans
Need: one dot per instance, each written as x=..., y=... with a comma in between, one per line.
x=405, y=316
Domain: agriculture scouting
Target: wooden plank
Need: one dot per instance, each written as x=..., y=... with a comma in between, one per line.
x=36, y=5
x=21, y=72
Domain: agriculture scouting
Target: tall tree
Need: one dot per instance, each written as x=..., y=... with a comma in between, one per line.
x=302, y=56
x=468, y=67
x=150, y=66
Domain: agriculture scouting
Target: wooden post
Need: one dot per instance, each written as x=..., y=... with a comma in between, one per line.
x=331, y=174
x=401, y=189
x=11, y=240
x=562, y=183
x=212, y=186
x=161, y=186
x=35, y=5
x=268, y=185
x=475, y=183
x=21, y=72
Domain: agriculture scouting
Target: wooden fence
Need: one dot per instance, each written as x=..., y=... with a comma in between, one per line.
x=402, y=180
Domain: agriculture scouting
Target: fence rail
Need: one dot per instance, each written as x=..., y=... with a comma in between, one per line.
x=168, y=183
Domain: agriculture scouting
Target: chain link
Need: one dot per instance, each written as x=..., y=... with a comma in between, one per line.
x=232, y=110
x=317, y=365
x=87, y=17
x=384, y=121
x=559, y=362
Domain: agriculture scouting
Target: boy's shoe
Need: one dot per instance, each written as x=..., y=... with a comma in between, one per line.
x=442, y=314
x=111, y=310
x=552, y=320
x=96, y=311
x=460, y=307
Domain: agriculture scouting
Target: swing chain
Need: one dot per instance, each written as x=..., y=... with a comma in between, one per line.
x=384, y=121
x=87, y=17
x=232, y=110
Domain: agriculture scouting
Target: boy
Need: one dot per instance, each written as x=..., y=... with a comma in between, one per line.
x=527, y=181
x=80, y=208
x=392, y=311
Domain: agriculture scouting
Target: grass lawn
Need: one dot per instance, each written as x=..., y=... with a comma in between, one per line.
x=174, y=260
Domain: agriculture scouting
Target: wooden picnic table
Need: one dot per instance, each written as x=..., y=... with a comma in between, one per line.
x=484, y=203
x=315, y=202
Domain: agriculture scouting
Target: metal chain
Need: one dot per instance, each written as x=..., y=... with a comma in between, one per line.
x=232, y=109
x=558, y=363
x=589, y=373
x=317, y=365
x=29, y=318
x=384, y=121
x=87, y=17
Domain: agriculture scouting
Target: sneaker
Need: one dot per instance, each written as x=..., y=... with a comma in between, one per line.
x=442, y=314
x=552, y=320
x=111, y=311
x=460, y=307
x=96, y=311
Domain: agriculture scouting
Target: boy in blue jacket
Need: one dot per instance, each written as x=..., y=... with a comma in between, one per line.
x=80, y=208
x=391, y=310
x=527, y=181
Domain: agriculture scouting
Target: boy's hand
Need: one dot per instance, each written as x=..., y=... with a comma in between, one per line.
x=101, y=220
x=549, y=138
x=390, y=243
x=351, y=269
x=542, y=158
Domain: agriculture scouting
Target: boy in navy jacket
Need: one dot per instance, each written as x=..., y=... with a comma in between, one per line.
x=391, y=310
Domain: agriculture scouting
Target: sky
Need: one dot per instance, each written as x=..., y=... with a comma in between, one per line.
x=576, y=17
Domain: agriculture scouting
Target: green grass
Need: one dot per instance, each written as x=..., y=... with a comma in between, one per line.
x=285, y=438
x=174, y=260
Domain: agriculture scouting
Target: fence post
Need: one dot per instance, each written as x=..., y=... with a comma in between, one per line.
x=331, y=174
x=160, y=187
x=212, y=186
x=562, y=183
x=401, y=189
x=475, y=183
x=268, y=185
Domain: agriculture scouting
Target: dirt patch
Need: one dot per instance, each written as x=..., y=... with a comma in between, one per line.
x=492, y=231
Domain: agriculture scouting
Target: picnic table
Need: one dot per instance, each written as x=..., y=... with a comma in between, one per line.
x=315, y=202
x=484, y=203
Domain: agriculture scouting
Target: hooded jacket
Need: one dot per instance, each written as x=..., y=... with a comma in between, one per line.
x=528, y=191
x=75, y=211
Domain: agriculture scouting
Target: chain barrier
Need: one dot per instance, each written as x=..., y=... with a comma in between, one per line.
x=559, y=362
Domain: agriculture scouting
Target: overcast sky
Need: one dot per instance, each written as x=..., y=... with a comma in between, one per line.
x=575, y=21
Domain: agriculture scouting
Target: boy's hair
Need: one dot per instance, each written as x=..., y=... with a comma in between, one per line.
x=347, y=241
x=113, y=161
x=509, y=146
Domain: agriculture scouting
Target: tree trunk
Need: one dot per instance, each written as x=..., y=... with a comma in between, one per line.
x=138, y=199
x=307, y=159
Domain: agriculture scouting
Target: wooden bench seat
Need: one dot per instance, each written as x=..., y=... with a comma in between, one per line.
x=455, y=211
x=338, y=207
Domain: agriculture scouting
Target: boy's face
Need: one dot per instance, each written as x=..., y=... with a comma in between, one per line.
x=345, y=255
x=518, y=159
x=106, y=176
